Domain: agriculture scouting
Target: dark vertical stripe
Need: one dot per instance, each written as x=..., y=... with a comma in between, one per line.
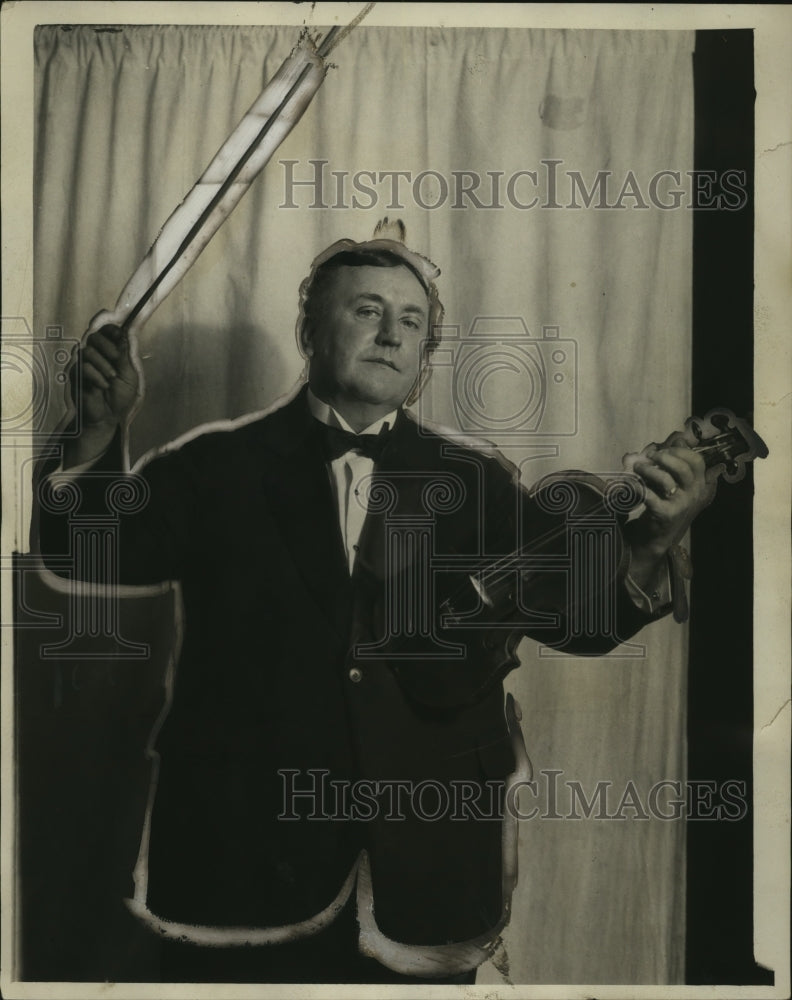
x=720, y=699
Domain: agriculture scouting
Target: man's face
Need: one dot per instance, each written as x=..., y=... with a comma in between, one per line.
x=364, y=347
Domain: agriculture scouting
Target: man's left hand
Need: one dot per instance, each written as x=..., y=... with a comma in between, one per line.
x=678, y=487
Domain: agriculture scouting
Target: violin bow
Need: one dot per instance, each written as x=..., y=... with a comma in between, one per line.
x=219, y=189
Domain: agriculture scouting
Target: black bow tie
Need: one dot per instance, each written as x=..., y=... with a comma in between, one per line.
x=338, y=442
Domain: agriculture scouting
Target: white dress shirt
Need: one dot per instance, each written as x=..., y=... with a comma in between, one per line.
x=348, y=475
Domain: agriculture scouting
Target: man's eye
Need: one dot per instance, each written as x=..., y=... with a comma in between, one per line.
x=368, y=312
x=411, y=324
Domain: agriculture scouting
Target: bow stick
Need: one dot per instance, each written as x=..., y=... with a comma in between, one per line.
x=216, y=193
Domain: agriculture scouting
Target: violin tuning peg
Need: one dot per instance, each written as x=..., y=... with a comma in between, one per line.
x=720, y=420
x=695, y=426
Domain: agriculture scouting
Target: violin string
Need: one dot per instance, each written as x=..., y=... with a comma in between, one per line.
x=513, y=561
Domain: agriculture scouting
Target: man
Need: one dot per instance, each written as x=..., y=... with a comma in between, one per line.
x=291, y=537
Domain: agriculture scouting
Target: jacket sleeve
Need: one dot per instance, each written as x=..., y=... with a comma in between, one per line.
x=108, y=525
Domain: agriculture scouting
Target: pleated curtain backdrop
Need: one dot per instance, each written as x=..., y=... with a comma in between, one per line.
x=127, y=120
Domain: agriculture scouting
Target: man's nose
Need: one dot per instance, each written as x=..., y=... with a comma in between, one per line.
x=388, y=332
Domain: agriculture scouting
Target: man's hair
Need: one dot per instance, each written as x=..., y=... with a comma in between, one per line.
x=376, y=253
x=322, y=277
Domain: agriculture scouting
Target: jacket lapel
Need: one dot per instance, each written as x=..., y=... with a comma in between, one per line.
x=403, y=472
x=297, y=489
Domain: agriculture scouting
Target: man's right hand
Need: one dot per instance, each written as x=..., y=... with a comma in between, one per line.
x=106, y=388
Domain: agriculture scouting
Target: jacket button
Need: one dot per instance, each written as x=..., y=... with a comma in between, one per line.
x=356, y=675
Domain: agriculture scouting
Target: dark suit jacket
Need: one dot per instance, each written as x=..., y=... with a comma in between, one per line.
x=245, y=520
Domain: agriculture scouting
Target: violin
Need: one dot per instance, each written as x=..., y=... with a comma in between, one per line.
x=558, y=587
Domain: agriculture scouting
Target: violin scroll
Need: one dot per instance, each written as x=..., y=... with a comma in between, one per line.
x=724, y=439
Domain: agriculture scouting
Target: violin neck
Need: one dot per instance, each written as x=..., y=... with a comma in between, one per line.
x=721, y=448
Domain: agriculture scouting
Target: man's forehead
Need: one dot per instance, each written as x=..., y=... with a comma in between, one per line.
x=384, y=282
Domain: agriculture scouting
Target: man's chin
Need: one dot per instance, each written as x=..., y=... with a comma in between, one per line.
x=381, y=404
x=381, y=391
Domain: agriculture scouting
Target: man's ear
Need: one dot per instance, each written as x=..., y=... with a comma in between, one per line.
x=306, y=340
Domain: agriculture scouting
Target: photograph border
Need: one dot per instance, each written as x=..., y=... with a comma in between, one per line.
x=772, y=26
